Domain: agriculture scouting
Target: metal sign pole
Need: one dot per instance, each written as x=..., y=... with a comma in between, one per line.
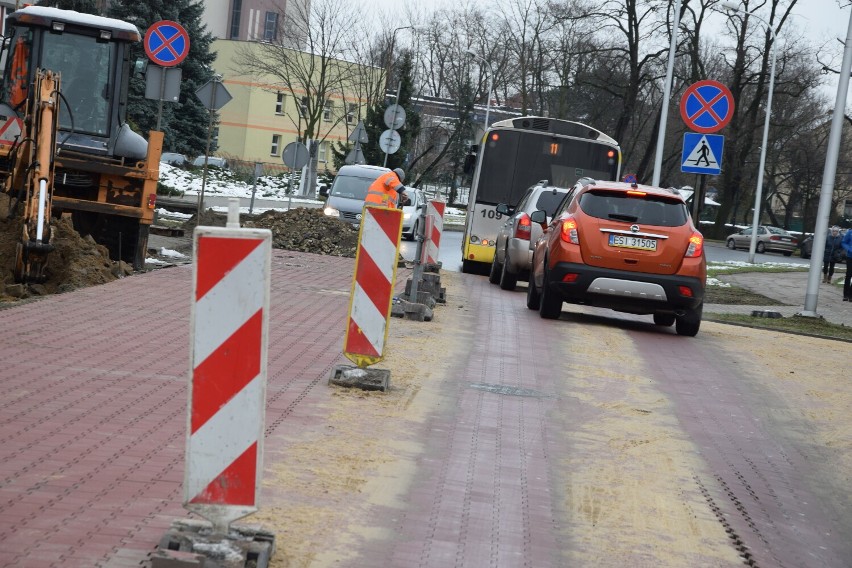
x=257, y=170
x=162, y=96
x=396, y=102
x=207, y=151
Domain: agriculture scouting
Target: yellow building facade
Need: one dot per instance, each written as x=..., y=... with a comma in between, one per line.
x=262, y=117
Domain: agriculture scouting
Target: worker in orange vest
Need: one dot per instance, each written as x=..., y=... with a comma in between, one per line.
x=386, y=189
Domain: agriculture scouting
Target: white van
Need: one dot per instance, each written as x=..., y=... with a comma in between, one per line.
x=348, y=191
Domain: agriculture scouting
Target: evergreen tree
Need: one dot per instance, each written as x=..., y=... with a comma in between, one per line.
x=375, y=121
x=84, y=6
x=184, y=123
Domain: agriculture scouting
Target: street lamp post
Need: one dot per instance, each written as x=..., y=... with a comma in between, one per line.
x=759, y=190
x=490, y=84
x=667, y=90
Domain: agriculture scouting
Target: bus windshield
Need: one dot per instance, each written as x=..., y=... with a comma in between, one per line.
x=514, y=160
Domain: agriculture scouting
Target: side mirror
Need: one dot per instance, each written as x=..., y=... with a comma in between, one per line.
x=139, y=67
x=323, y=191
x=539, y=217
x=504, y=209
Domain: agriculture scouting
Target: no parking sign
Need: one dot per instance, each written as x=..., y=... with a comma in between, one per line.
x=166, y=43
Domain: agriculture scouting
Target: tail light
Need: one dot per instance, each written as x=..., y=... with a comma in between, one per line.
x=685, y=291
x=569, y=232
x=152, y=201
x=523, y=229
x=696, y=245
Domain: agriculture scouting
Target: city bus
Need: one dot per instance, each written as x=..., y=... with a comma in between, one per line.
x=516, y=154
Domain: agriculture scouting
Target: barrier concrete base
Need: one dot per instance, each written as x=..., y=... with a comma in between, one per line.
x=193, y=544
x=430, y=282
x=365, y=379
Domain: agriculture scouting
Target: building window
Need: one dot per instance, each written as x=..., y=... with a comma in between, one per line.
x=322, y=156
x=303, y=107
x=276, y=144
x=847, y=212
x=270, y=26
x=235, y=18
x=326, y=111
x=279, y=103
x=351, y=109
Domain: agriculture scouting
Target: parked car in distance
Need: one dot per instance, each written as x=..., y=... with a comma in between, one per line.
x=768, y=239
x=212, y=162
x=348, y=191
x=627, y=247
x=806, y=247
x=174, y=159
x=513, y=252
x=411, y=213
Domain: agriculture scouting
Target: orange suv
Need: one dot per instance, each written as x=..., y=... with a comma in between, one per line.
x=627, y=247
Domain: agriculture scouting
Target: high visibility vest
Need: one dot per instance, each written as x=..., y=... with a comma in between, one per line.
x=383, y=190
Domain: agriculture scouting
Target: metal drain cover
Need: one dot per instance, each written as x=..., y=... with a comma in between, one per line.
x=509, y=390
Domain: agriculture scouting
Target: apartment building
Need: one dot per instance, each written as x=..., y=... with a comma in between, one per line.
x=263, y=117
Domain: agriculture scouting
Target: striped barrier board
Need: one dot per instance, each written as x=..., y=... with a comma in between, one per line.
x=372, y=285
x=227, y=387
x=434, y=227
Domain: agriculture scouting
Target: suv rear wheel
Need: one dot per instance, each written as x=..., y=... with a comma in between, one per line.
x=496, y=269
x=508, y=281
x=689, y=322
x=533, y=299
x=551, y=304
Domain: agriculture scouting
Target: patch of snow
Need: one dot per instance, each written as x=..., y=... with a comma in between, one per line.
x=169, y=253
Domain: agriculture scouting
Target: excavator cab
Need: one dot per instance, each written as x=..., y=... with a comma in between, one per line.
x=100, y=172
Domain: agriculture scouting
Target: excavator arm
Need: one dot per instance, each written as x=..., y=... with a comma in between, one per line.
x=35, y=164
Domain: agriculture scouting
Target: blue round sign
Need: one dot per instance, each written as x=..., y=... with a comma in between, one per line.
x=707, y=106
x=166, y=43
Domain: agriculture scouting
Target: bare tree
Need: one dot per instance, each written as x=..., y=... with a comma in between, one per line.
x=314, y=77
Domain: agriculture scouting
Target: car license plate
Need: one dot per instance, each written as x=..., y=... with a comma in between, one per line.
x=627, y=241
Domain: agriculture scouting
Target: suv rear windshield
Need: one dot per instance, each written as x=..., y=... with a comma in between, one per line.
x=548, y=201
x=647, y=210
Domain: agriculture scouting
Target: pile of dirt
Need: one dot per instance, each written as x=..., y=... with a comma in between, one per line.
x=79, y=262
x=307, y=230
x=75, y=262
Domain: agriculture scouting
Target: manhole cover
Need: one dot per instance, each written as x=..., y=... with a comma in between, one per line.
x=505, y=389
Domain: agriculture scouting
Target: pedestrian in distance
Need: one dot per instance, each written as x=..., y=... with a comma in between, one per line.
x=846, y=243
x=386, y=190
x=833, y=253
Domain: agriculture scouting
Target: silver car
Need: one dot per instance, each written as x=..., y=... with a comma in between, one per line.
x=513, y=253
x=411, y=213
x=768, y=239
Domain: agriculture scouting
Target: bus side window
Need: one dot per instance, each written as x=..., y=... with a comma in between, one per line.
x=470, y=160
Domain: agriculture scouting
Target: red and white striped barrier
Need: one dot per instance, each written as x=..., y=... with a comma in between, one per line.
x=227, y=394
x=372, y=285
x=434, y=227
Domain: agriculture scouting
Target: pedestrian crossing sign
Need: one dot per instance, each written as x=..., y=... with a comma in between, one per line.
x=702, y=153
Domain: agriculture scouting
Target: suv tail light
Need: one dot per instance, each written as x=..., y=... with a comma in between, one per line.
x=523, y=229
x=569, y=232
x=696, y=245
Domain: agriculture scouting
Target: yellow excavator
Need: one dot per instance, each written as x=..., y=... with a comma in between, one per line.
x=65, y=145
